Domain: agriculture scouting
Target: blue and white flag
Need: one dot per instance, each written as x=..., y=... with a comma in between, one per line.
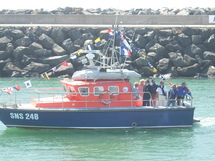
x=28, y=84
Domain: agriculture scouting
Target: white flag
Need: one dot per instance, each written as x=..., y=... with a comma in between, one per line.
x=28, y=84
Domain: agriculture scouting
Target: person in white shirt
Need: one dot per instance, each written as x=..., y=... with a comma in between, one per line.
x=162, y=94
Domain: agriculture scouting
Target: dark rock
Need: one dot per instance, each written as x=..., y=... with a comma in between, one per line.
x=33, y=37
x=68, y=45
x=189, y=60
x=204, y=65
x=16, y=74
x=9, y=68
x=153, y=55
x=174, y=72
x=78, y=44
x=209, y=56
x=211, y=71
x=58, y=50
x=149, y=36
x=27, y=60
x=140, y=62
x=16, y=34
x=55, y=60
x=87, y=36
x=177, y=59
x=210, y=42
x=205, y=33
x=2, y=64
x=42, y=30
x=142, y=31
x=57, y=35
x=35, y=46
x=164, y=40
x=197, y=39
x=9, y=48
x=4, y=55
x=200, y=75
x=25, y=41
x=188, y=31
x=150, y=44
x=163, y=65
x=37, y=67
x=46, y=41
x=146, y=71
x=42, y=53
x=74, y=34
x=184, y=40
x=4, y=41
x=140, y=41
x=19, y=52
x=160, y=50
x=192, y=50
x=165, y=32
x=189, y=71
x=173, y=46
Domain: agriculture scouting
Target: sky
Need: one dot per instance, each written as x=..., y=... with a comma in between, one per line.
x=104, y=4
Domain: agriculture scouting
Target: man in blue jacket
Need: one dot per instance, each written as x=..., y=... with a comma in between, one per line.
x=182, y=91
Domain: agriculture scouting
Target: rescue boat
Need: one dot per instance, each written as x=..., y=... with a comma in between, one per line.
x=98, y=97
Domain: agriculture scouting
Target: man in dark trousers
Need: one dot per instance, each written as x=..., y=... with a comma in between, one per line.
x=147, y=93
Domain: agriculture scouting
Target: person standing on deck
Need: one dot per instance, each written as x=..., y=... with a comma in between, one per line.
x=162, y=94
x=147, y=93
x=136, y=91
x=140, y=87
x=172, y=96
x=154, y=93
x=182, y=91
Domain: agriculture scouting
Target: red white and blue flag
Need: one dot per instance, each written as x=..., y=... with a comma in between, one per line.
x=125, y=51
x=125, y=48
x=16, y=87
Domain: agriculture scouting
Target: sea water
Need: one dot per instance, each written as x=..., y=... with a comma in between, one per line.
x=196, y=143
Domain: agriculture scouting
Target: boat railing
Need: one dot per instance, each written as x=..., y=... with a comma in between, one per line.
x=58, y=95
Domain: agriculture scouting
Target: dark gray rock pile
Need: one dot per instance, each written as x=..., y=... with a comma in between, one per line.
x=113, y=11
x=30, y=51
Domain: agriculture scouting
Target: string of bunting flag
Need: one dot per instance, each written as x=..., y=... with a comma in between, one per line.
x=125, y=50
x=28, y=84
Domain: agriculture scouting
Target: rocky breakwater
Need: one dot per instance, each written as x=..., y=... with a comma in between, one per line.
x=30, y=51
x=113, y=11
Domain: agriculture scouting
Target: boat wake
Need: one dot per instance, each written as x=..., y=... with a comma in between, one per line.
x=206, y=122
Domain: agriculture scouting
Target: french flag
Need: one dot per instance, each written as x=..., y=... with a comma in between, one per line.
x=124, y=51
x=125, y=42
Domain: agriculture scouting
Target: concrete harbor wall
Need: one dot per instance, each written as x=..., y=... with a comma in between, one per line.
x=106, y=19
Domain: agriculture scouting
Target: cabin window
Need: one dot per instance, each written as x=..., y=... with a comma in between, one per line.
x=84, y=91
x=98, y=90
x=114, y=90
x=72, y=91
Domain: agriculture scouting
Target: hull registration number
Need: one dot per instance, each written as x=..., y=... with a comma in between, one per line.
x=26, y=116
